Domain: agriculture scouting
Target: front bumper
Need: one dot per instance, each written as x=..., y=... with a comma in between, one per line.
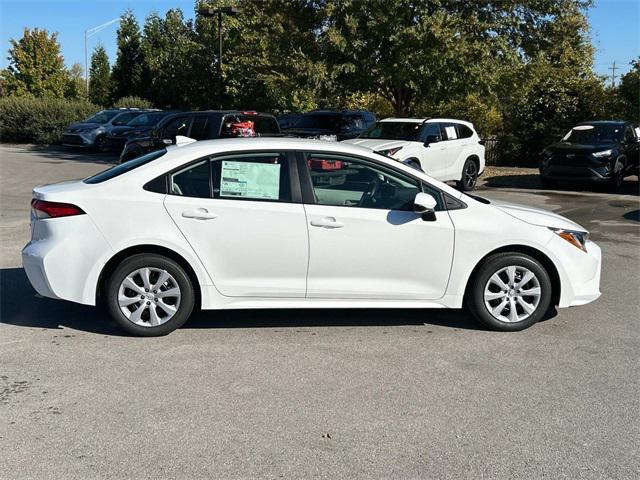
x=588, y=173
x=77, y=140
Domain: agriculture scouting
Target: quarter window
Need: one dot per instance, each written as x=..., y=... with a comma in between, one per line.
x=348, y=182
x=464, y=131
x=199, y=128
x=254, y=176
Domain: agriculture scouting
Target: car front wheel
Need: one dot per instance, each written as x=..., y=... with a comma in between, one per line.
x=510, y=292
x=149, y=295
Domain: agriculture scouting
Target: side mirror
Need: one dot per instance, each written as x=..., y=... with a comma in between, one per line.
x=425, y=205
x=432, y=139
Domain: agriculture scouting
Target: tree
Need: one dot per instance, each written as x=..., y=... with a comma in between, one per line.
x=628, y=93
x=99, y=77
x=36, y=67
x=75, y=82
x=127, y=70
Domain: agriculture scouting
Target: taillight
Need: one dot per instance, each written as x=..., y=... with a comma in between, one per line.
x=44, y=209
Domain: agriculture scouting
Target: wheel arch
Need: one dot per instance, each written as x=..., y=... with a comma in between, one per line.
x=116, y=259
x=540, y=256
x=475, y=158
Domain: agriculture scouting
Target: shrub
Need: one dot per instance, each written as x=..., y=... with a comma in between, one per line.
x=132, y=102
x=40, y=120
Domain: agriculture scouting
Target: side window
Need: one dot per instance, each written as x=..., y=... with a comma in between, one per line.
x=629, y=135
x=464, y=131
x=199, y=128
x=266, y=125
x=252, y=176
x=176, y=126
x=125, y=118
x=348, y=182
x=192, y=181
x=430, y=131
x=448, y=131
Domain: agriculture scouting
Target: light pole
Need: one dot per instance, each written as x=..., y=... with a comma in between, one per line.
x=88, y=33
x=211, y=12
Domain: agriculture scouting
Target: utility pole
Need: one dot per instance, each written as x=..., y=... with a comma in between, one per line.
x=212, y=12
x=87, y=34
x=613, y=75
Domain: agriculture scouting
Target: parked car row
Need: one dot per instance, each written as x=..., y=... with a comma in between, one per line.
x=446, y=149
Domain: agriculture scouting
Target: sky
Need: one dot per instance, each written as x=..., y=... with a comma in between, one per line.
x=615, y=26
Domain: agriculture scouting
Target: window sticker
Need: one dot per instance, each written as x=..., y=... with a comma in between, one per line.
x=451, y=133
x=250, y=180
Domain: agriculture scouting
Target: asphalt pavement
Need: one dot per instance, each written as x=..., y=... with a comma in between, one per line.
x=320, y=394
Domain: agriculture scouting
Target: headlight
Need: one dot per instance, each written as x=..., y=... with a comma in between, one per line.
x=603, y=153
x=575, y=238
x=389, y=152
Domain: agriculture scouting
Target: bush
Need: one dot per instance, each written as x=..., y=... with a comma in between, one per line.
x=40, y=120
x=132, y=102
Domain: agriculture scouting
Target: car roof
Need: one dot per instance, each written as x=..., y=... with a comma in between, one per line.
x=603, y=122
x=427, y=120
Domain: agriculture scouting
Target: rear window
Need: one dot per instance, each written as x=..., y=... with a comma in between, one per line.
x=124, y=167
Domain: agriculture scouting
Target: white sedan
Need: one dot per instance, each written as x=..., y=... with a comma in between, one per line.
x=292, y=223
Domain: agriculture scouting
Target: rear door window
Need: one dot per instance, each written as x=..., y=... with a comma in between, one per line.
x=448, y=131
x=252, y=176
x=199, y=128
x=192, y=181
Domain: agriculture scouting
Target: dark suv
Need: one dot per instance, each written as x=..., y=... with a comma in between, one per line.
x=602, y=151
x=140, y=126
x=204, y=125
x=330, y=125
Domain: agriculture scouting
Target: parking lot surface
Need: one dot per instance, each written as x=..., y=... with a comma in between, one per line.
x=320, y=394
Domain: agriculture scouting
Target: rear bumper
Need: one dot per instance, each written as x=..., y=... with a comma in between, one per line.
x=64, y=258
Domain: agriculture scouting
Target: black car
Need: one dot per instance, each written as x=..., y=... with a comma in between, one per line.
x=140, y=126
x=204, y=125
x=601, y=151
x=330, y=125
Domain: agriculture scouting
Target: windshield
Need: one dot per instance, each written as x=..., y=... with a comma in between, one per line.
x=102, y=117
x=124, y=167
x=394, y=131
x=321, y=122
x=594, y=134
x=146, y=119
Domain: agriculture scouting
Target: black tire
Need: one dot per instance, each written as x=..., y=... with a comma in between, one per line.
x=617, y=177
x=100, y=144
x=133, y=263
x=469, y=175
x=479, y=281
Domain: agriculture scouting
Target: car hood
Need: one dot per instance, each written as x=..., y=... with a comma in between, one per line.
x=82, y=126
x=537, y=216
x=377, y=144
x=566, y=147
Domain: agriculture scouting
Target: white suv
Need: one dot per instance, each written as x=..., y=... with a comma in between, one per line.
x=445, y=149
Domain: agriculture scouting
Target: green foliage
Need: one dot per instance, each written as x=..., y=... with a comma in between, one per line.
x=132, y=102
x=36, y=67
x=76, y=87
x=127, y=70
x=40, y=120
x=99, y=77
x=628, y=93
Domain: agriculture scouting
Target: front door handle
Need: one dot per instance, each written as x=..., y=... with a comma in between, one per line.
x=327, y=222
x=199, y=214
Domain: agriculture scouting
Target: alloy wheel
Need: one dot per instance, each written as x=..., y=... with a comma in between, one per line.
x=470, y=175
x=149, y=296
x=512, y=294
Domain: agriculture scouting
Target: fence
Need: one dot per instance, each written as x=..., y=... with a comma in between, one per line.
x=491, y=151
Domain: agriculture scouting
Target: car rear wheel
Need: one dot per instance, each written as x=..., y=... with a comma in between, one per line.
x=469, y=175
x=509, y=292
x=150, y=295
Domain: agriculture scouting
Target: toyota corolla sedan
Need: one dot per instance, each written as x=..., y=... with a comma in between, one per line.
x=294, y=223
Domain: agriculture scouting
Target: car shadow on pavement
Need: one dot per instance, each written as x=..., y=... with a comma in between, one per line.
x=54, y=153
x=20, y=306
x=629, y=187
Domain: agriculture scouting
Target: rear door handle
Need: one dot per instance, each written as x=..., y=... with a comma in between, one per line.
x=327, y=222
x=199, y=214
